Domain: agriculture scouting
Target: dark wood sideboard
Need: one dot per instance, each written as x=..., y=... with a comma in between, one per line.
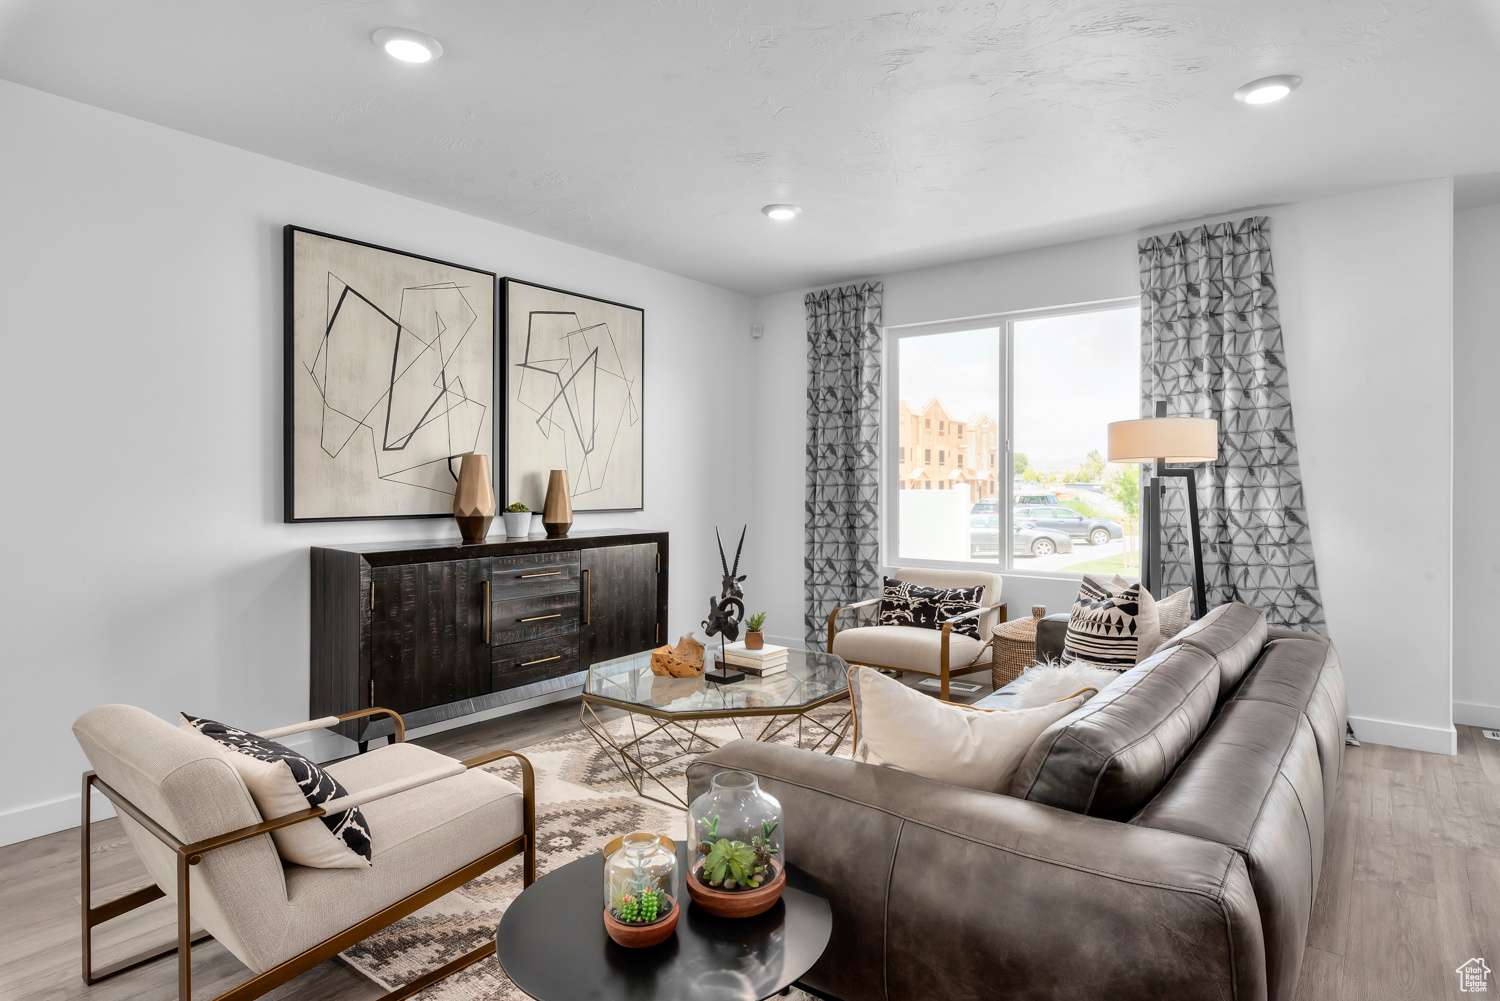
x=436, y=630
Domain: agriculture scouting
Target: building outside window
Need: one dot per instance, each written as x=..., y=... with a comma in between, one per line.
x=1028, y=396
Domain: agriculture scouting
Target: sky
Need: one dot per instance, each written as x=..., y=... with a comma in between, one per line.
x=1074, y=374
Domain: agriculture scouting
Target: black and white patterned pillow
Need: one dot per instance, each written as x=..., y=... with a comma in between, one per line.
x=1112, y=627
x=283, y=782
x=903, y=603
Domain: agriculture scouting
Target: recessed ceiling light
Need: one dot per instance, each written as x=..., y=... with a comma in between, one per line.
x=782, y=211
x=407, y=45
x=1267, y=89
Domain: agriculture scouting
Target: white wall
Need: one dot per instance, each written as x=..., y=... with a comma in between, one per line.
x=1366, y=289
x=146, y=560
x=1365, y=283
x=1476, y=416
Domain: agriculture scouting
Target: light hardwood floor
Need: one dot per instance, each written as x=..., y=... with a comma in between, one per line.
x=1410, y=886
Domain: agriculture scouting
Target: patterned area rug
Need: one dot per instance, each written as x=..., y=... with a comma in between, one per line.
x=582, y=802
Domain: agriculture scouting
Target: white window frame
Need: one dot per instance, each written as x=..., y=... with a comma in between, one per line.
x=891, y=337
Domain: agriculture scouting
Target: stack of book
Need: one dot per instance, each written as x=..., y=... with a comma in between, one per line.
x=767, y=660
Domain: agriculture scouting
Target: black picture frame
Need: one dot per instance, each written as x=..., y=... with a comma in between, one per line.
x=505, y=412
x=289, y=372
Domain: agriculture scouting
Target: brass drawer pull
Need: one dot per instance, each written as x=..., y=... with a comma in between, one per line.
x=538, y=618
x=549, y=573
x=542, y=660
x=487, y=611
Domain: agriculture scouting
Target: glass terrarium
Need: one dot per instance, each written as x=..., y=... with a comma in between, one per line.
x=640, y=881
x=735, y=841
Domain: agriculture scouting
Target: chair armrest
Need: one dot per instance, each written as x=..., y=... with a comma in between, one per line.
x=327, y=721
x=833, y=615
x=932, y=883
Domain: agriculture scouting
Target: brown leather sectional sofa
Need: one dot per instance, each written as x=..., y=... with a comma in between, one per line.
x=1164, y=841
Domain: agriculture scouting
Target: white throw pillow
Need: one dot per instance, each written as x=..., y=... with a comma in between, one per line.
x=976, y=748
x=283, y=782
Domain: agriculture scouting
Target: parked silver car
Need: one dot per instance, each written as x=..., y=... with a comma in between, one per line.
x=1060, y=518
x=1026, y=538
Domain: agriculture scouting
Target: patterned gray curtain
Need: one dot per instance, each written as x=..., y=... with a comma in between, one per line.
x=1211, y=347
x=841, y=563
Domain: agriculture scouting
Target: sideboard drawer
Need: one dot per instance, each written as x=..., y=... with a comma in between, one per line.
x=519, y=620
x=517, y=664
x=528, y=576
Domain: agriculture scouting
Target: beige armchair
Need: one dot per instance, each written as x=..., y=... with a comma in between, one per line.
x=435, y=823
x=939, y=652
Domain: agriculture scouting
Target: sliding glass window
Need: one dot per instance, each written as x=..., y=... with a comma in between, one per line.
x=995, y=441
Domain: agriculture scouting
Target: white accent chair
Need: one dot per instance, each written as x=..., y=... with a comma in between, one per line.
x=435, y=823
x=939, y=652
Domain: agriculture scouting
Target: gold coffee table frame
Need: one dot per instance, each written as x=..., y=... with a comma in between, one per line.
x=675, y=725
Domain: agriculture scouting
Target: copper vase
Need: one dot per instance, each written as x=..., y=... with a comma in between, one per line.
x=557, y=510
x=474, y=497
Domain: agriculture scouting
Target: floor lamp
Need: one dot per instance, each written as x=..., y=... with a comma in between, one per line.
x=1160, y=440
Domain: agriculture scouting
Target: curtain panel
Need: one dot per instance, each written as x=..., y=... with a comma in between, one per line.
x=841, y=560
x=1211, y=347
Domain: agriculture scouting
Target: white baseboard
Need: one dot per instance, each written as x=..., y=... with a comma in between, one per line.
x=26, y=822
x=1435, y=739
x=1477, y=714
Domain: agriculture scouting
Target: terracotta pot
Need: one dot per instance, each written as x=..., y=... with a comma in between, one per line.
x=557, y=509
x=642, y=936
x=737, y=903
x=755, y=640
x=474, y=497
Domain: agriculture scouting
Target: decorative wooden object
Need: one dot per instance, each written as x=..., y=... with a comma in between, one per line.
x=737, y=903
x=685, y=660
x=474, y=497
x=643, y=936
x=557, y=510
x=436, y=630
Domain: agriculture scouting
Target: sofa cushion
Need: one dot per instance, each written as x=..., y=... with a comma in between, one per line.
x=1111, y=756
x=903, y=603
x=1254, y=783
x=1234, y=633
x=1301, y=671
x=905, y=648
x=420, y=836
x=976, y=748
x=1112, y=626
x=283, y=782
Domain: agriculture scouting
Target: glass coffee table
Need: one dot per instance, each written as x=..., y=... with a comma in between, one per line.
x=759, y=707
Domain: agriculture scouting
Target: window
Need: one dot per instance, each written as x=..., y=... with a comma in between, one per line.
x=1037, y=391
x=927, y=456
x=903, y=453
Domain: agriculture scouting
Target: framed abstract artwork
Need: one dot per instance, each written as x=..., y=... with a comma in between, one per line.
x=572, y=397
x=390, y=377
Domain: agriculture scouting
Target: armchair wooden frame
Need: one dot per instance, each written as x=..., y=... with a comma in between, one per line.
x=191, y=854
x=945, y=670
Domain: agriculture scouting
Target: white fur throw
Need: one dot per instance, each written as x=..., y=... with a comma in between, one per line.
x=1050, y=681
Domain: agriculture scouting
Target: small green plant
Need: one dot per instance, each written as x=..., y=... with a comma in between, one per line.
x=710, y=833
x=517, y=507
x=756, y=621
x=762, y=846
x=731, y=865
x=641, y=908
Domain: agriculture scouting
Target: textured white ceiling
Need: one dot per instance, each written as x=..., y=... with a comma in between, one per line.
x=911, y=134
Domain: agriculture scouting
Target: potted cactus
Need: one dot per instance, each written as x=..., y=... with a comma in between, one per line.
x=517, y=520
x=639, y=910
x=754, y=638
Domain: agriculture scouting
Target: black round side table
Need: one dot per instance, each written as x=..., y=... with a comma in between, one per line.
x=552, y=944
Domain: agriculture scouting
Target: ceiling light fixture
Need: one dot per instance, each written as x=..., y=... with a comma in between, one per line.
x=1267, y=90
x=407, y=45
x=781, y=211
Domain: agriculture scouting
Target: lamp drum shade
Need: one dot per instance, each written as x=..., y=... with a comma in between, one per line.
x=1175, y=439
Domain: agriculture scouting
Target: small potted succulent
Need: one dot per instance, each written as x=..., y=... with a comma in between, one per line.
x=517, y=520
x=754, y=638
x=639, y=909
x=736, y=836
